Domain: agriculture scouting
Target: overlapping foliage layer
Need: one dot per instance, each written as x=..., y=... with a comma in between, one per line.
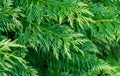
x=59, y=37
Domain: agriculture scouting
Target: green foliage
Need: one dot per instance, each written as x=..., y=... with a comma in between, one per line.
x=8, y=16
x=59, y=37
x=11, y=62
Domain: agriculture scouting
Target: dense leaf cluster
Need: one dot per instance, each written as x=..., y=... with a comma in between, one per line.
x=59, y=37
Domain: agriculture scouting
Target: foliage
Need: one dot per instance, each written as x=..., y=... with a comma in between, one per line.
x=11, y=62
x=59, y=37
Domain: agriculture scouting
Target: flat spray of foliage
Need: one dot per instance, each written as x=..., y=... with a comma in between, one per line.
x=59, y=37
